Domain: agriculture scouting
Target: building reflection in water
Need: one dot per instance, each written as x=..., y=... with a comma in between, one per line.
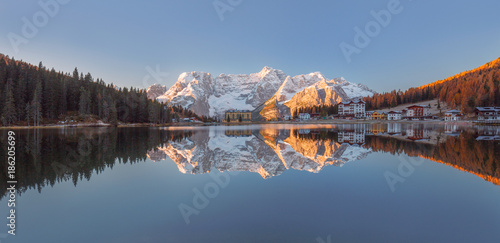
x=354, y=134
x=492, y=133
x=270, y=152
x=50, y=156
x=239, y=133
x=417, y=132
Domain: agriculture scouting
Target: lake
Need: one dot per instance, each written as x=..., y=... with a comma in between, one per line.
x=378, y=182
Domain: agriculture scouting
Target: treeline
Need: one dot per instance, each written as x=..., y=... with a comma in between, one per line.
x=323, y=110
x=316, y=134
x=465, y=91
x=177, y=112
x=34, y=95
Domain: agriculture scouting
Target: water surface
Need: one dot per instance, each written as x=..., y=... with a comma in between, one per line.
x=272, y=183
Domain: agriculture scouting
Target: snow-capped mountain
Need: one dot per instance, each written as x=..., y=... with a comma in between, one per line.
x=210, y=96
x=270, y=88
x=192, y=91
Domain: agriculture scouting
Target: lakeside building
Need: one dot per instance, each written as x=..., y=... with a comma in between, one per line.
x=418, y=112
x=234, y=115
x=316, y=116
x=487, y=113
x=304, y=116
x=404, y=113
x=378, y=116
x=453, y=115
x=369, y=114
x=353, y=108
x=394, y=115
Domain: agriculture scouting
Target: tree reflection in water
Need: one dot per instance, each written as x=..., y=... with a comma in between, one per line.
x=47, y=156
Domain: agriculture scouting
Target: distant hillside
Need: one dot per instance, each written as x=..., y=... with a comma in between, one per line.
x=477, y=87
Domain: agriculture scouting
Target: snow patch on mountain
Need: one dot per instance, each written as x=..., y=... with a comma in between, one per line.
x=293, y=85
x=209, y=96
x=354, y=90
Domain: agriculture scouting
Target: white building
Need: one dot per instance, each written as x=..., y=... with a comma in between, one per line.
x=453, y=115
x=354, y=108
x=488, y=113
x=419, y=112
x=368, y=114
x=304, y=116
x=394, y=115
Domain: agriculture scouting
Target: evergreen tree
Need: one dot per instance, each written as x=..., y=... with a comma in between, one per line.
x=63, y=104
x=113, y=114
x=106, y=111
x=28, y=113
x=36, y=105
x=9, y=109
x=84, y=102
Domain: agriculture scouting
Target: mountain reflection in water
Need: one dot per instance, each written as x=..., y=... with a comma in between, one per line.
x=50, y=156
x=271, y=150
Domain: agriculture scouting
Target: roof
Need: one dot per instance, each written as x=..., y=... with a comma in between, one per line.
x=453, y=112
x=303, y=114
x=353, y=102
x=232, y=111
x=394, y=112
x=488, y=108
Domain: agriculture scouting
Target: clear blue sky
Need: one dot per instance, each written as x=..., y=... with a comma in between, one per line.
x=117, y=40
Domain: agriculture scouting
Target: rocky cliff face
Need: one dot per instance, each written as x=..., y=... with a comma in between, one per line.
x=192, y=90
x=311, y=90
x=322, y=93
x=156, y=90
x=205, y=95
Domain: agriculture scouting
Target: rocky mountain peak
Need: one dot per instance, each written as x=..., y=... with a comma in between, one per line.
x=209, y=96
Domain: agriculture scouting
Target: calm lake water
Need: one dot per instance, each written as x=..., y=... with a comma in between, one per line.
x=272, y=183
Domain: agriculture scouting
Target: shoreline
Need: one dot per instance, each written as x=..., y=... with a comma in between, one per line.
x=308, y=122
